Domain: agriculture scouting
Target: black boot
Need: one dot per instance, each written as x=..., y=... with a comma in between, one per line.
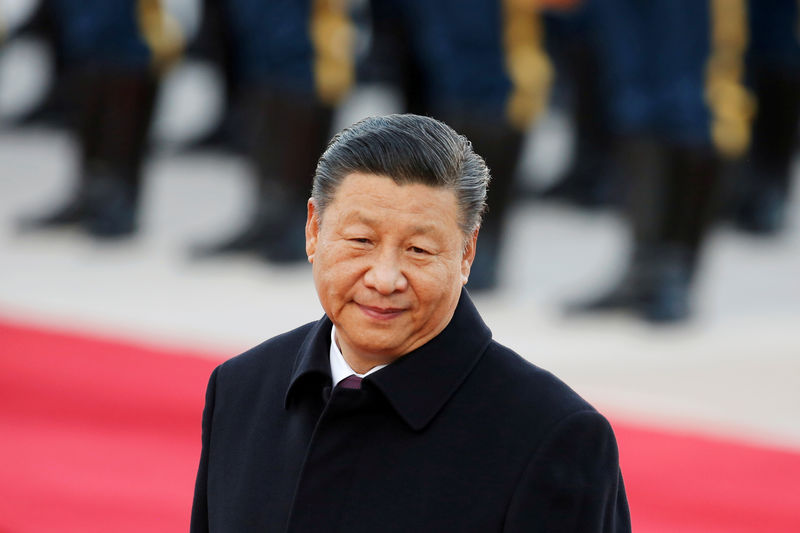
x=654, y=286
x=113, y=167
x=111, y=205
x=764, y=189
x=672, y=200
x=290, y=133
x=112, y=117
x=692, y=206
x=591, y=181
x=644, y=163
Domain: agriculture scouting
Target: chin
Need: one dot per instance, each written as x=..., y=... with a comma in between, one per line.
x=382, y=347
x=378, y=347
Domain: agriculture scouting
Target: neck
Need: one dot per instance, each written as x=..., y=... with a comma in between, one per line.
x=360, y=363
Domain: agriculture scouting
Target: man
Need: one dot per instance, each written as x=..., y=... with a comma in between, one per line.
x=397, y=411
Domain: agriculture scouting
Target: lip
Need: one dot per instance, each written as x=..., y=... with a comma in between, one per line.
x=380, y=313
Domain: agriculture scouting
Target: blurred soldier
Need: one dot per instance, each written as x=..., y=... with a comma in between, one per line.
x=673, y=69
x=774, y=73
x=114, y=51
x=591, y=178
x=293, y=60
x=478, y=65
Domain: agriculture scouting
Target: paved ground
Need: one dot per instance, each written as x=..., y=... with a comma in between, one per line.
x=733, y=371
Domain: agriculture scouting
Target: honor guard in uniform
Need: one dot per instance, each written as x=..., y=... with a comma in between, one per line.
x=293, y=60
x=773, y=68
x=591, y=177
x=115, y=51
x=673, y=70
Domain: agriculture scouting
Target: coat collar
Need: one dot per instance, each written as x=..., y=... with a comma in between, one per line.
x=418, y=384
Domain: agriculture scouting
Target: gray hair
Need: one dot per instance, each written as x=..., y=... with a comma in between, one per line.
x=408, y=149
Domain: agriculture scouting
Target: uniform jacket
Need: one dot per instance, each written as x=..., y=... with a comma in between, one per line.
x=460, y=435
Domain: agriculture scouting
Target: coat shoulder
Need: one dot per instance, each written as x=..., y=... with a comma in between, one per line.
x=272, y=355
x=526, y=389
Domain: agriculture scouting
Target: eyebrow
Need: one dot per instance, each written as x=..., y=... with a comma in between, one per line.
x=417, y=229
x=423, y=229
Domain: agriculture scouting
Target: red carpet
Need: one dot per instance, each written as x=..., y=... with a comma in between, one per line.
x=99, y=435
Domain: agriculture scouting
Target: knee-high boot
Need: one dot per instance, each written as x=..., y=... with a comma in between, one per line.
x=113, y=172
x=113, y=115
x=591, y=179
x=671, y=200
x=764, y=189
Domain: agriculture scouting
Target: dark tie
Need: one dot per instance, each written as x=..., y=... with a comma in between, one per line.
x=350, y=382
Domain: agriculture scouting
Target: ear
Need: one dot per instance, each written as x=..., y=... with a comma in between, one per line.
x=312, y=230
x=468, y=256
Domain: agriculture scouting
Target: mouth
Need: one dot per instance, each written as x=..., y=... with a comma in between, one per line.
x=380, y=313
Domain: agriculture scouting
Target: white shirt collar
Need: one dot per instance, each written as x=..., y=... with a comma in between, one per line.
x=339, y=367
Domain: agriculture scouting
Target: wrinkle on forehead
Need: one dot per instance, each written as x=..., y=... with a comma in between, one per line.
x=407, y=202
x=415, y=227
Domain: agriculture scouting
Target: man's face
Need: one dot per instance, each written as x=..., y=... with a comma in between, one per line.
x=389, y=261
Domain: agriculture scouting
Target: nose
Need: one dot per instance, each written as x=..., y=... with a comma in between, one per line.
x=385, y=274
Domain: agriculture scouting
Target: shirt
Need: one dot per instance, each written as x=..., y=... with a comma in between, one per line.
x=339, y=367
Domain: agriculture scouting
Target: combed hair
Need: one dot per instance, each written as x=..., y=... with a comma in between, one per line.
x=408, y=149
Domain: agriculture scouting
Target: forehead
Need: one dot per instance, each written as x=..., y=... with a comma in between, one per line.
x=366, y=196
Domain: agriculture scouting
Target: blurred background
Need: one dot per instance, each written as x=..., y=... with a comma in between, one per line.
x=642, y=240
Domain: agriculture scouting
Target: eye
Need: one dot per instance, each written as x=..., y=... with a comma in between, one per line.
x=418, y=250
x=360, y=240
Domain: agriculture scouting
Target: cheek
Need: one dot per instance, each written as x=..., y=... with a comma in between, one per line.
x=336, y=277
x=437, y=284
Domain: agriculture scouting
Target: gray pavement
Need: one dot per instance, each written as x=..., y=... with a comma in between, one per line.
x=732, y=371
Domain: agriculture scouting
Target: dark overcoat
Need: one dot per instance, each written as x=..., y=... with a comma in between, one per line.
x=460, y=435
